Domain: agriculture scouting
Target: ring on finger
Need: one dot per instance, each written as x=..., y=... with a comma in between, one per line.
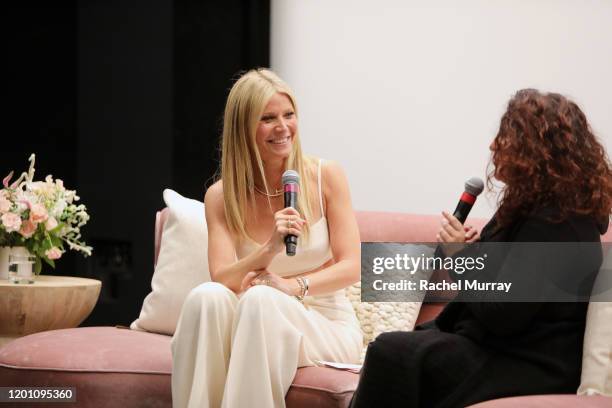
x=289, y=224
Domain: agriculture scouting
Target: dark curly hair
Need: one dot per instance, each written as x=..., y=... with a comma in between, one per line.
x=547, y=157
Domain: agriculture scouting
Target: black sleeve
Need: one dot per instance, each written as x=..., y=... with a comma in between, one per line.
x=522, y=267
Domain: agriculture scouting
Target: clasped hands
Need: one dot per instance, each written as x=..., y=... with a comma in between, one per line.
x=265, y=277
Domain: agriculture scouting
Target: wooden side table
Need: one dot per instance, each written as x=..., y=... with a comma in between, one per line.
x=51, y=302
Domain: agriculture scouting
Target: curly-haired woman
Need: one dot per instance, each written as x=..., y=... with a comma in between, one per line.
x=557, y=188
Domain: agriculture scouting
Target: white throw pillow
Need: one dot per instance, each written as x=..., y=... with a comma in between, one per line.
x=182, y=264
x=389, y=315
x=597, y=353
x=380, y=317
x=596, y=378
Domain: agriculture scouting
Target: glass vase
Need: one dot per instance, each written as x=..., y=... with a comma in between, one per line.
x=4, y=262
x=21, y=266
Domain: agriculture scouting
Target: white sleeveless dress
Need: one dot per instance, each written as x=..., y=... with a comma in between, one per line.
x=231, y=351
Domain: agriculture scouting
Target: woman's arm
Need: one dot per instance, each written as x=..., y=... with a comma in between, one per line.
x=344, y=241
x=343, y=235
x=222, y=263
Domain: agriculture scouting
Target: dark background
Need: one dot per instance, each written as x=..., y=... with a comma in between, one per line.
x=121, y=99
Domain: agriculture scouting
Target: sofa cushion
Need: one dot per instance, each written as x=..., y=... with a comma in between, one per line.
x=547, y=401
x=377, y=226
x=182, y=264
x=109, y=367
x=112, y=367
x=321, y=387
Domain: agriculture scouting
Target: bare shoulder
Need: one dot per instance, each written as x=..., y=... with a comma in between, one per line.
x=213, y=199
x=333, y=175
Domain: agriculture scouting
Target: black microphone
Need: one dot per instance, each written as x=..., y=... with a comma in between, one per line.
x=473, y=187
x=291, y=180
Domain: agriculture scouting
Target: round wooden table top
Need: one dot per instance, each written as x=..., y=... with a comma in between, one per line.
x=53, y=281
x=51, y=302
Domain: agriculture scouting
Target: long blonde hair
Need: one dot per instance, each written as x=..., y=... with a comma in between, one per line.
x=240, y=158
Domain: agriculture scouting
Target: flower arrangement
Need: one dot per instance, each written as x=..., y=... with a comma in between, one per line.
x=41, y=216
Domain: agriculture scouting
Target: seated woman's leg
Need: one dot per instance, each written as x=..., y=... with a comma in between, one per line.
x=416, y=369
x=201, y=346
x=273, y=335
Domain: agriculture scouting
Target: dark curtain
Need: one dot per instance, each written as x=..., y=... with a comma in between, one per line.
x=122, y=99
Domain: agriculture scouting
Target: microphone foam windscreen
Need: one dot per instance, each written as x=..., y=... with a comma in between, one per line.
x=474, y=186
x=292, y=177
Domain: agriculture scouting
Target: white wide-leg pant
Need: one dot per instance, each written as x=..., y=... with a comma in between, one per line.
x=234, y=352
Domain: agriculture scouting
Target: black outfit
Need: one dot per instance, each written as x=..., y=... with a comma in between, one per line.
x=474, y=352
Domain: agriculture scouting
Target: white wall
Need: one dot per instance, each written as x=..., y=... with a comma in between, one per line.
x=407, y=95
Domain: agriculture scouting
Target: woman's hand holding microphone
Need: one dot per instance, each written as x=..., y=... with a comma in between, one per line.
x=286, y=221
x=453, y=232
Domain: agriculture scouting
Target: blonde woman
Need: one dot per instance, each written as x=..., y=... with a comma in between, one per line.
x=241, y=338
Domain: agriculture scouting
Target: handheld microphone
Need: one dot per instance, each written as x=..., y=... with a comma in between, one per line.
x=473, y=187
x=291, y=180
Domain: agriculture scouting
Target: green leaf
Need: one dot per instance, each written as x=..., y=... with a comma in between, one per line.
x=47, y=243
x=56, y=241
x=56, y=230
x=32, y=246
x=49, y=262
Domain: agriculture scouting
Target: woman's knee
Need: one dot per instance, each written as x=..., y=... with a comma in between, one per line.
x=260, y=294
x=387, y=345
x=259, y=299
x=208, y=293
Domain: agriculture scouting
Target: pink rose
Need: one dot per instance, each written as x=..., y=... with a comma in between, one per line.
x=11, y=222
x=28, y=228
x=38, y=213
x=51, y=223
x=5, y=205
x=53, y=253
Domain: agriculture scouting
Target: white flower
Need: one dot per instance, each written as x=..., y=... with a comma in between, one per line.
x=11, y=222
x=5, y=204
x=58, y=208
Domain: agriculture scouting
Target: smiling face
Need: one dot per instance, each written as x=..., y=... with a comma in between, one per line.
x=276, y=129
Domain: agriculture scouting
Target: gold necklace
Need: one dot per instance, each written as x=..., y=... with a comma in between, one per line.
x=275, y=194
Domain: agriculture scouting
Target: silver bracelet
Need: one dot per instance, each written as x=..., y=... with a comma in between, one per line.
x=307, y=285
x=302, y=286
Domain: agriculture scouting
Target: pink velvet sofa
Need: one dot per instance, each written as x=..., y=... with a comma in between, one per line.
x=116, y=367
